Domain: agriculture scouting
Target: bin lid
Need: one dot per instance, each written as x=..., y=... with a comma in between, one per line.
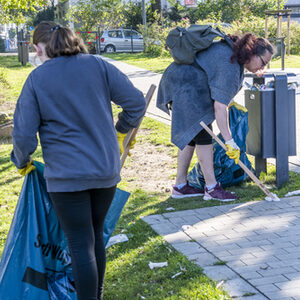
x=268, y=75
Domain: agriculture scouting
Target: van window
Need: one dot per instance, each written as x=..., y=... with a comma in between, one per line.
x=127, y=34
x=136, y=35
x=115, y=34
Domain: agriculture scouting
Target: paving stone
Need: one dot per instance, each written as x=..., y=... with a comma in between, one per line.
x=250, y=275
x=283, y=295
x=238, y=287
x=271, y=272
x=267, y=288
x=261, y=259
x=154, y=219
x=182, y=213
x=289, y=285
x=177, y=237
x=165, y=228
x=192, y=219
x=268, y=280
x=206, y=259
x=219, y=273
x=189, y=248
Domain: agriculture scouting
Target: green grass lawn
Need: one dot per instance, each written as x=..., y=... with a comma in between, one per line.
x=15, y=75
x=159, y=64
x=128, y=275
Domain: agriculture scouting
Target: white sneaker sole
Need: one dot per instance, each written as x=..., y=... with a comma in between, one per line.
x=186, y=196
x=206, y=198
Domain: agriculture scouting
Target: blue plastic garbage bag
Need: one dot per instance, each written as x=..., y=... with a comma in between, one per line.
x=226, y=171
x=36, y=263
x=114, y=213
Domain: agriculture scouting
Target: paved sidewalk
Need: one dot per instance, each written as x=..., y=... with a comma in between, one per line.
x=259, y=241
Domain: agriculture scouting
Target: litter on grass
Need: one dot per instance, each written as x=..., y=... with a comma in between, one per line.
x=119, y=238
x=170, y=208
x=275, y=198
x=175, y=275
x=297, y=192
x=153, y=265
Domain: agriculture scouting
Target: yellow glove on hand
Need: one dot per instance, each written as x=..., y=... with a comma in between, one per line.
x=233, y=150
x=30, y=167
x=121, y=138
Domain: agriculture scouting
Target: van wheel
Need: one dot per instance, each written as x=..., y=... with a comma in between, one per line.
x=110, y=49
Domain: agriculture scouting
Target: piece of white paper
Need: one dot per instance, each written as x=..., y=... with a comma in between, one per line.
x=119, y=238
x=293, y=193
x=153, y=265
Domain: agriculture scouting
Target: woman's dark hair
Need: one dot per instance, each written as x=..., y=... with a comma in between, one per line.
x=59, y=41
x=247, y=46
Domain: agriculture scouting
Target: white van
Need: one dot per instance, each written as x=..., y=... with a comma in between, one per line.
x=121, y=40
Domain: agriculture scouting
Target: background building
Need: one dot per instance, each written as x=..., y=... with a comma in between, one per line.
x=294, y=5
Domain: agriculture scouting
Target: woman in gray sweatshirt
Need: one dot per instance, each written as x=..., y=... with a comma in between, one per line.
x=67, y=100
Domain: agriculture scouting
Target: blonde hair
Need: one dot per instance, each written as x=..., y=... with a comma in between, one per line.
x=59, y=41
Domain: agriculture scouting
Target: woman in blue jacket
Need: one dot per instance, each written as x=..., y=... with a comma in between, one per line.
x=67, y=100
x=202, y=91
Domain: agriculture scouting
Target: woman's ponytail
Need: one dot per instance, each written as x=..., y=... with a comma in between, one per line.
x=59, y=41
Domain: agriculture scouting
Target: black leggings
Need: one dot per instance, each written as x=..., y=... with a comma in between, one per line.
x=81, y=216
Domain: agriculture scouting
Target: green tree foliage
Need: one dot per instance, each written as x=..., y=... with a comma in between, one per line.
x=132, y=13
x=88, y=15
x=15, y=11
x=227, y=10
x=45, y=14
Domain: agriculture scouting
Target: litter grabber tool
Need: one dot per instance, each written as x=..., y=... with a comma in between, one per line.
x=132, y=132
x=121, y=196
x=270, y=196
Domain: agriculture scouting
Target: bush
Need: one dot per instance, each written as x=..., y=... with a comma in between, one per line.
x=256, y=25
x=154, y=38
x=294, y=37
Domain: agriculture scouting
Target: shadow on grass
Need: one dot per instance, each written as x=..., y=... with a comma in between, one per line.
x=11, y=62
x=10, y=180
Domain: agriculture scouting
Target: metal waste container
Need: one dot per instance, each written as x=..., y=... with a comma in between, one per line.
x=272, y=122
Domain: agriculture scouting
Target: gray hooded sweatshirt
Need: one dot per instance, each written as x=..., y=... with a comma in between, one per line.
x=67, y=100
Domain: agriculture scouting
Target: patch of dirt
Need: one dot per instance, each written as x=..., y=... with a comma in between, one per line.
x=7, y=107
x=150, y=168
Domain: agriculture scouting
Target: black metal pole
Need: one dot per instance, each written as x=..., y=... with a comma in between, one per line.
x=131, y=39
x=282, y=129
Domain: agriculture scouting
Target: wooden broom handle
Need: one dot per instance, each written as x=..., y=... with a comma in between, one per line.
x=132, y=132
x=240, y=163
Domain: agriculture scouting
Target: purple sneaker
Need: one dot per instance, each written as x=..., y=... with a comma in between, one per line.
x=217, y=193
x=186, y=191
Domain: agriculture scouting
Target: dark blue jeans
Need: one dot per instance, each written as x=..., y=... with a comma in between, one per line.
x=81, y=216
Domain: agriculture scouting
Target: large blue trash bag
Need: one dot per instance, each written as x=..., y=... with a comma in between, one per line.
x=36, y=264
x=226, y=171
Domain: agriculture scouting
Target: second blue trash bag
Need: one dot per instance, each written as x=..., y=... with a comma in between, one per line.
x=226, y=171
x=36, y=264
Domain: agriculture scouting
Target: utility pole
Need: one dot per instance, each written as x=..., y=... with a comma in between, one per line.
x=144, y=15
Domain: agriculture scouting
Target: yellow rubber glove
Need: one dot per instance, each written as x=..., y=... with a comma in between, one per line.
x=233, y=150
x=30, y=167
x=121, y=137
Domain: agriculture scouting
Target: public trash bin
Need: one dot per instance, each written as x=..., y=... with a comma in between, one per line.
x=272, y=122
